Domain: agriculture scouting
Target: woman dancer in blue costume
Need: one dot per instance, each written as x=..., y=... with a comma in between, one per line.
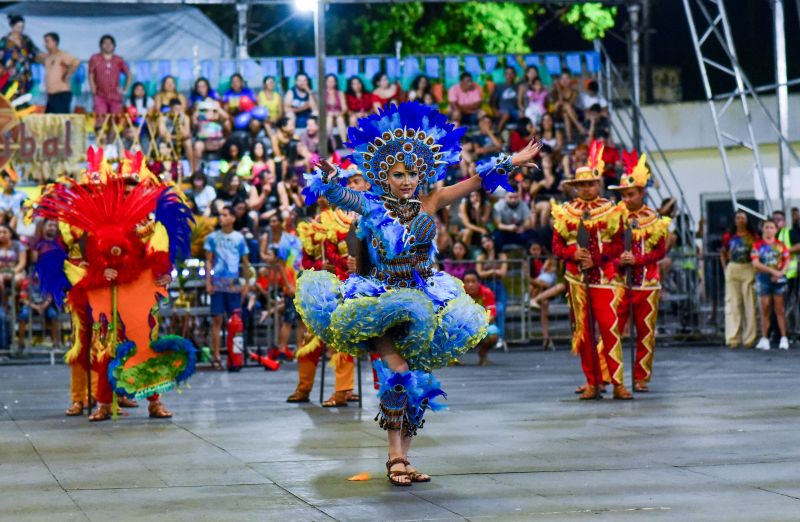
x=418, y=319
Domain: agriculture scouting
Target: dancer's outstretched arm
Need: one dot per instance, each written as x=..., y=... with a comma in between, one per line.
x=323, y=182
x=493, y=173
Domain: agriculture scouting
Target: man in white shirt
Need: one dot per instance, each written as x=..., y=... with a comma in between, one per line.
x=11, y=199
x=591, y=96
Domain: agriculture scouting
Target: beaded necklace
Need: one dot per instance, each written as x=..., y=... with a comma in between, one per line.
x=403, y=210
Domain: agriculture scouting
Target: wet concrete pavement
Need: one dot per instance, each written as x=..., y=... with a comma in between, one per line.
x=717, y=439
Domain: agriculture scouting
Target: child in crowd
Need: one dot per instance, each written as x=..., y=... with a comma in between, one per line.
x=771, y=260
x=546, y=278
x=276, y=285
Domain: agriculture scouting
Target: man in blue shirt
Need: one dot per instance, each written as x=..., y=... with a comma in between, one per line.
x=226, y=252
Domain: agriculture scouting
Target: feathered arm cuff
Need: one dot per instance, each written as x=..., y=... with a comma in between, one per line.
x=318, y=184
x=494, y=173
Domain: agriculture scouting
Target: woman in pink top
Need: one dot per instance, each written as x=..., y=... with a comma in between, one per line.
x=335, y=105
x=536, y=100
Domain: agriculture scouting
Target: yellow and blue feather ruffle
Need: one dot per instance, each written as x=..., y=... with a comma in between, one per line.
x=431, y=327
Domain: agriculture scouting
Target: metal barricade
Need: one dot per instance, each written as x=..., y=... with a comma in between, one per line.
x=36, y=324
x=691, y=309
x=515, y=286
x=187, y=312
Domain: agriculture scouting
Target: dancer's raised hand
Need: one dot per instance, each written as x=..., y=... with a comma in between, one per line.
x=327, y=167
x=524, y=158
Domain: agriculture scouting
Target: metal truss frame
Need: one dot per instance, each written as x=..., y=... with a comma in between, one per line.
x=711, y=33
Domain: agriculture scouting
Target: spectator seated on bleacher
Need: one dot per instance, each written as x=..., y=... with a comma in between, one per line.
x=233, y=99
x=466, y=97
x=385, y=92
x=505, y=99
x=168, y=93
x=174, y=129
x=532, y=96
x=564, y=98
x=513, y=223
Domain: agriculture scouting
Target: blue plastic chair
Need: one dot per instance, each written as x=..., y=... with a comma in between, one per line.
x=269, y=67
x=433, y=69
x=472, y=65
x=332, y=66
x=310, y=68
x=573, y=61
x=592, y=62
x=490, y=63
x=552, y=63
x=532, y=59
x=452, y=69
x=371, y=67
x=289, y=70
x=351, y=67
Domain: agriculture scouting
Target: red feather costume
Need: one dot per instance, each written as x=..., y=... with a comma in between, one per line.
x=117, y=252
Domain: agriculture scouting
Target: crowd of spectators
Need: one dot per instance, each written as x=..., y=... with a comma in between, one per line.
x=246, y=149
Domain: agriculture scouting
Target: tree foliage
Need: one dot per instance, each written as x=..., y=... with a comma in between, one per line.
x=472, y=27
x=450, y=28
x=423, y=28
x=591, y=19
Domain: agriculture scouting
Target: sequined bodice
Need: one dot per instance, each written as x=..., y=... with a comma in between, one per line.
x=420, y=233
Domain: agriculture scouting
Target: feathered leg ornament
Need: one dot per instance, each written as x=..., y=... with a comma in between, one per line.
x=405, y=397
x=394, y=397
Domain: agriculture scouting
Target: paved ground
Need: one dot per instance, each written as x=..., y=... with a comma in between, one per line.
x=717, y=440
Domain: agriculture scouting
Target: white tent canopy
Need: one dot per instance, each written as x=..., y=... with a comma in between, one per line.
x=142, y=31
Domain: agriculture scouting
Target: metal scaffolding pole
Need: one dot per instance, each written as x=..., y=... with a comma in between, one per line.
x=715, y=17
x=242, y=14
x=319, y=32
x=633, y=12
x=781, y=79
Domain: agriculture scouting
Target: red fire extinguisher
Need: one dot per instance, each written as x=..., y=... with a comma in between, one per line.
x=235, y=342
x=372, y=358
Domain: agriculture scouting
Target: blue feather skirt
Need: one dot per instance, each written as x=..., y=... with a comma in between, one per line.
x=431, y=326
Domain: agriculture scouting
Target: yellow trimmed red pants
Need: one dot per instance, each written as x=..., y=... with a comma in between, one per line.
x=645, y=315
x=605, y=302
x=344, y=371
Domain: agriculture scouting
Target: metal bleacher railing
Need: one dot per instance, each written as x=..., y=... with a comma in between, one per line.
x=691, y=310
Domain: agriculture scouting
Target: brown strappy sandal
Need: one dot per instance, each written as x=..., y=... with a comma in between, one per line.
x=393, y=475
x=75, y=409
x=417, y=475
x=156, y=410
x=124, y=402
x=337, y=400
x=103, y=413
x=298, y=396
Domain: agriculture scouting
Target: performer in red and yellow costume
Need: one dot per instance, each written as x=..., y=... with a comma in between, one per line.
x=123, y=232
x=593, y=267
x=325, y=248
x=649, y=231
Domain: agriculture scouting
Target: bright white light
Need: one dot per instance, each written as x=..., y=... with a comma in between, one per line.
x=306, y=6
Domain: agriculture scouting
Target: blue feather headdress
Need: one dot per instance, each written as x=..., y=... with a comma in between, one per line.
x=177, y=219
x=409, y=133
